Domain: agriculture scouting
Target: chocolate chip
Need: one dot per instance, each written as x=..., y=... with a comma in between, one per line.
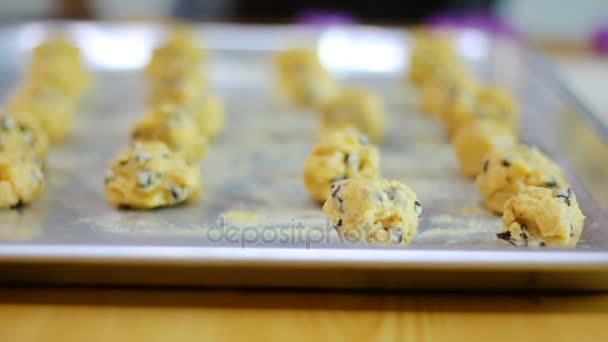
x=485, y=166
x=567, y=197
x=542, y=244
x=506, y=163
x=418, y=208
x=395, y=235
x=506, y=235
x=19, y=206
x=336, y=189
x=145, y=179
x=339, y=224
x=571, y=231
x=524, y=233
x=178, y=193
x=551, y=184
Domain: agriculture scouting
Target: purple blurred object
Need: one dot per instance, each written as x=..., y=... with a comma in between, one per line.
x=600, y=40
x=324, y=18
x=480, y=20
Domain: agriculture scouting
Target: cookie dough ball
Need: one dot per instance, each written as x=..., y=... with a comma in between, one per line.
x=209, y=113
x=508, y=172
x=437, y=94
x=59, y=62
x=178, y=87
x=54, y=110
x=542, y=217
x=177, y=130
x=207, y=110
x=179, y=54
x=487, y=104
x=148, y=175
x=72, y=84
x=21, y=136
x=476, y=141
x=303, y=78
x=432, y=55
x=21, y=182
x=340, y=155
x=374, y=210
x=357, y=108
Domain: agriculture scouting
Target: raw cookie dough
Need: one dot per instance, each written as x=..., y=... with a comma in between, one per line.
x=477, y=140
x=207, y=110
x=59, y=63
x=21, y=136
x=180, y=54
x=21, y=181
x=432, y=55
x=303, y=78
x=438, y=93
x=373, y=209
x=340, y=155
x=177, y=130
x=508, y=172
x=53, y=109
x=177, y=87
x=486, y=104
x=149, y=175
x=542, y=217
x=354, y=107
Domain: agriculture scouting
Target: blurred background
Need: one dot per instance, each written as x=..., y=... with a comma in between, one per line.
x=575, y=33
x=558, y=20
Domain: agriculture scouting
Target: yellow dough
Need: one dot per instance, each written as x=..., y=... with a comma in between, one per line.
x=53, y=109
x=340, y=155
x=207, y=110
x=180, y=54
x=508, y=172
x=303, y=78
x=373, y=210
x=178, y=87
x=439, y=92
x=357, y=108
x=177, y=130
x=209, y=113
x=59, y=63
x=21, y=181
x=487, y=104
x=149, y=175
x=542, y=217
x=21, y=137
x=431, y=56
x=477, y=140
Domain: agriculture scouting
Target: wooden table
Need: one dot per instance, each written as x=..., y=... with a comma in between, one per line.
x=218, y=315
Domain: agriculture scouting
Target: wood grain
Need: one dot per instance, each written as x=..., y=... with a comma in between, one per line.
x=213, y=315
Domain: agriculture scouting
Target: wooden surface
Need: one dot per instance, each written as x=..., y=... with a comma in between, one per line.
x=179, y=315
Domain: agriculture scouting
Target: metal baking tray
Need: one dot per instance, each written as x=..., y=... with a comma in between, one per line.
x=256, y=225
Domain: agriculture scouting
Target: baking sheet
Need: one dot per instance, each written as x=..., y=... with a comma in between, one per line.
x=255, y=207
